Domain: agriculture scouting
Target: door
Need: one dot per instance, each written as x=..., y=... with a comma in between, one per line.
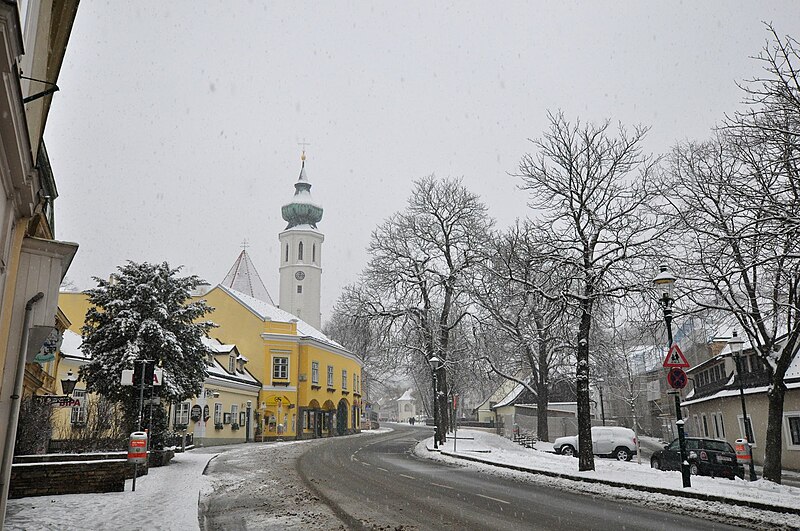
x=672, y=456
x=602, y=441
x=341, y=418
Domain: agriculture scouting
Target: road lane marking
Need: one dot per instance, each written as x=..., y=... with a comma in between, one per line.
x=379, y=468
x=409, y=477
x=495, y=499
x=365, y=463
x=443, y=486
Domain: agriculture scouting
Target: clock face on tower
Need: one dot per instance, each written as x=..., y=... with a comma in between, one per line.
x=299, y=275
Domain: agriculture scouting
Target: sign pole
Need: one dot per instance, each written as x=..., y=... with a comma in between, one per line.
x=139, y=420
x=455, y=421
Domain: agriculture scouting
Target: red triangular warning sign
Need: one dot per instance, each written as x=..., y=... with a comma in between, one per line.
x=675, y=358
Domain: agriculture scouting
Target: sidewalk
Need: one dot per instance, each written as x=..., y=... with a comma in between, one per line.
x=166, y=498
x=491, y=449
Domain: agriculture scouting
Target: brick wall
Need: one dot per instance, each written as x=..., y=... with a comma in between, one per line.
x=72, y=477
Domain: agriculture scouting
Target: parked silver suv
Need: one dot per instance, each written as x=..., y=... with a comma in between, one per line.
x=613, y=441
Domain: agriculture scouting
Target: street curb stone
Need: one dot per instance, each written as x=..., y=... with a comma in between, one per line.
x=645, y=488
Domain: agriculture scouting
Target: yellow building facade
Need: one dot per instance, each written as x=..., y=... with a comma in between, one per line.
x=284, y=374
x=311, y=384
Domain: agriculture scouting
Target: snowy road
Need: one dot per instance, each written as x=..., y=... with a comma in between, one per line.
x=377, y=482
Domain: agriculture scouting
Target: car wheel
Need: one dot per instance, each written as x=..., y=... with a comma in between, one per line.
x=694, y=469
x=567, y=449
x=655, y=464
x=622, y=454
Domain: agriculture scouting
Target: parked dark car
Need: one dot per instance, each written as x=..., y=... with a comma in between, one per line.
x=706, y=457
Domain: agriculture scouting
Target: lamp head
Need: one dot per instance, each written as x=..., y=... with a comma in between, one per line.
x=68, y=383
x=735, y=343
x=665, y=281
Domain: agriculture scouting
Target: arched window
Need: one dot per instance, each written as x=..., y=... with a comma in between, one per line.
x=314, y=253
x=287, y=253
x=300, y=251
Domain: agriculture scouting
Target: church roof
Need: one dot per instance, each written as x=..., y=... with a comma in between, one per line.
x=244, y=278
x=269, y=312
x=302, y=210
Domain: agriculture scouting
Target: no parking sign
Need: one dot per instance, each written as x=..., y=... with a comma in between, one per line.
x=676, y=378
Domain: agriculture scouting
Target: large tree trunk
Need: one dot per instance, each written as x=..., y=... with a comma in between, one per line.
x=585, y=455
x=542, y=383
x=542, y=399
x=441, y=404
x=773, y=446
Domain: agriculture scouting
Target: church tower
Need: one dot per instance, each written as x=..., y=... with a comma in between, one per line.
x=301, y=254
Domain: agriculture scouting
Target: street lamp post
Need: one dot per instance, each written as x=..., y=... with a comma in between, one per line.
x=664, y=282
x=735, y=343
x=599, y=382
x=434, y=361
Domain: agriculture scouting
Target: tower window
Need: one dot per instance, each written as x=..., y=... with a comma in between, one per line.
x=287, y=253
x=300, y=251
x=299, y=288
x=314, y=253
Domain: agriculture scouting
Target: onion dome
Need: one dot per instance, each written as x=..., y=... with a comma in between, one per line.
x=302, y=210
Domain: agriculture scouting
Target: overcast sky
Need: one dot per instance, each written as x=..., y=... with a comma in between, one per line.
x=175, y=133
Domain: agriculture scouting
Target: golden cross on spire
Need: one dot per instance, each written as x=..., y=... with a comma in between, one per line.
x=304, y=144
x=245, y=244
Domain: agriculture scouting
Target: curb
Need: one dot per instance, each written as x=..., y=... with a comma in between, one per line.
x=645, y=488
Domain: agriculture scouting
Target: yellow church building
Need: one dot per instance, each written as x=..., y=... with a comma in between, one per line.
x=272, y=373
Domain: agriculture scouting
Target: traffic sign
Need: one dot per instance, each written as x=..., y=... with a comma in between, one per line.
x=675, y=358
x=676, y=378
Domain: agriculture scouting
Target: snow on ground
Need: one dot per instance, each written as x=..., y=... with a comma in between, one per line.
x=492, y=447
x=166, y=498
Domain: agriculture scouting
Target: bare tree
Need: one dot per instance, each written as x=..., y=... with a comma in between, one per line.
x=518, y=292
x=98, y=426
x=742, y=255
x=415, y=285
x=35, y=426
x=594, y=192
x=738, y=197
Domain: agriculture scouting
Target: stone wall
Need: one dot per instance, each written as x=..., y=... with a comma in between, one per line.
x=70, y=477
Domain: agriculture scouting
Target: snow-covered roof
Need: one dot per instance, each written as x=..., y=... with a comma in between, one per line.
x=244, y=278
x=510, y=397
x=71, y=345
x=216, y=369
x=303, y=226
x=268, y=312
x=216, y=346
x=406, y=395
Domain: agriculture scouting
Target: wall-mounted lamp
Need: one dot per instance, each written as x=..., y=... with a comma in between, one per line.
x=68, y=383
